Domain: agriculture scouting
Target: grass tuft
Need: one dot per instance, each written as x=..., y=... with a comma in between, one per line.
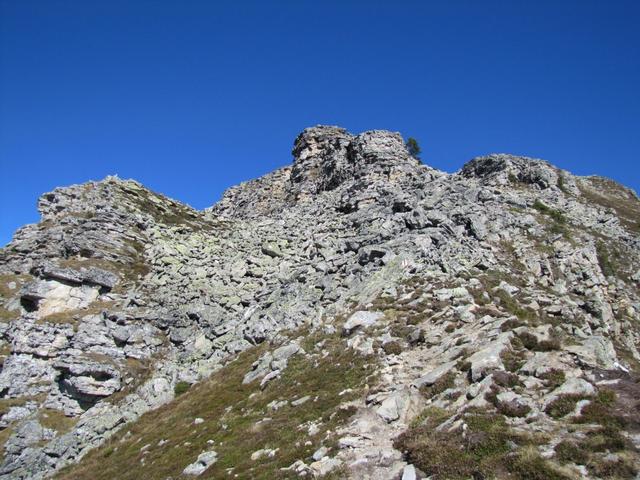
x=181, y=387
x=563, y=405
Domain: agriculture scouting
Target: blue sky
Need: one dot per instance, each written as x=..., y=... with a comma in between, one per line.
x=191, y=97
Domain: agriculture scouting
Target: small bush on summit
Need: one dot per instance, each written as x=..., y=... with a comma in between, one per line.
x=413, y=148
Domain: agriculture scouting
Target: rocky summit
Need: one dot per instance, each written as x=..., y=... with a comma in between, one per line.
x=357, y=314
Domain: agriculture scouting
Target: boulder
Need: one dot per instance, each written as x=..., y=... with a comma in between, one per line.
x=360, y=320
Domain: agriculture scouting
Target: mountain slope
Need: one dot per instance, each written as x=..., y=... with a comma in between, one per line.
x=482, y=323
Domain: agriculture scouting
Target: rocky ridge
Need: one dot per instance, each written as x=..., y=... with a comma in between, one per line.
x=507, y=291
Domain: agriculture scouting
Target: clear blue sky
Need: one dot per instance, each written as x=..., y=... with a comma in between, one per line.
x=192, y=96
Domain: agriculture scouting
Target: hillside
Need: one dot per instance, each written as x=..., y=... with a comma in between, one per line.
x=355, y=315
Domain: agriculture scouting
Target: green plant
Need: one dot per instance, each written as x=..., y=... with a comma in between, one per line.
x=463, y=365
x=506, y=379
x=511, y=324
x=531, y=342
x=553, y=378
x=600, y=411
x=512, y=306
x=513, y=409
x=567, y=451
x=561, y=185
x=483, y=451
x=234, y=416
x=563, y=405
x=555, y=215
x=558, y=225
x=512, y=359
x=181, y=387
x=604, y=261
x=413, y=148
x=606, y=396
x=392, y=348
x=510, y=409
x=434, y=416
x=445, y=382
x=621, y=468
x=605, y=439
x=528, y=464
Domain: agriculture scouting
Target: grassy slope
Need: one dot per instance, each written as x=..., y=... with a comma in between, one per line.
x=232, y=415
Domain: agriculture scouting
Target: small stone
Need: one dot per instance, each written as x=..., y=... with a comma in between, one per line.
x=300, y=401
x=204, y=461
x=320, y=453
x=409, y=473
x=360, y=319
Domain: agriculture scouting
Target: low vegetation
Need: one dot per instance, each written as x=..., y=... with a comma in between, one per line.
x=563, y=405
x=601, y=445
x=181, y=387
x=558, y=220
x=531, y=342
x=488, y=447
x=555, y=215
x=72, y=317
x=237, y=420
x=611, y=195
x=513, y=359
x=167, y=211
x=56, y=420
x=10, y=285
x=445, y=382
x=553, y=378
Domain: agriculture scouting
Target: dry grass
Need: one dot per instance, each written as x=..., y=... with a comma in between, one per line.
x=7, y=403
x=7, y=316
x=6, y=293
x=72, y=317
x=7, y=279
x=613, y=196
x=129, y=273
x=139, y=370
x=4, y=436
x=56, y=420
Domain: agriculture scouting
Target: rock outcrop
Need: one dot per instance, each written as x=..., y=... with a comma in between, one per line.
x=506, y=291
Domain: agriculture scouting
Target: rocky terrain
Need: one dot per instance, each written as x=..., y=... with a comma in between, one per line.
x=355, y=315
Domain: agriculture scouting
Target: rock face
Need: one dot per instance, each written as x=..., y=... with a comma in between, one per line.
x=477, y=289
